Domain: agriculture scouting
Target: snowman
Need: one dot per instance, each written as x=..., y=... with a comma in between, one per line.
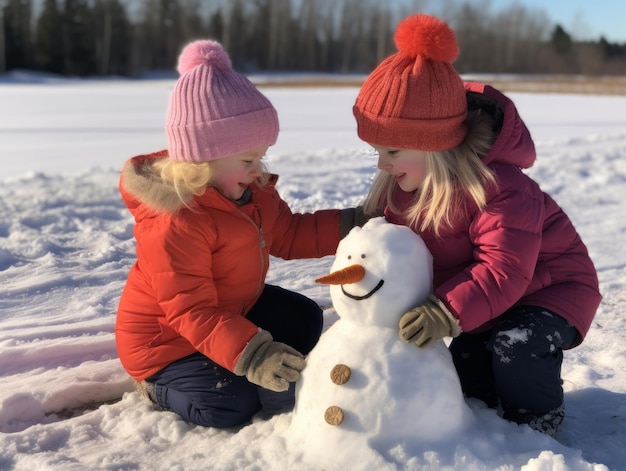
x=364, y=391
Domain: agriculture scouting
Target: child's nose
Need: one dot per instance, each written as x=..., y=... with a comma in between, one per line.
x=383, y=164
x=256, y=171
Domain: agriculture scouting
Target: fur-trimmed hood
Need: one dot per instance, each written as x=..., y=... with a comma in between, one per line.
x=139, y=184
x=201, y=265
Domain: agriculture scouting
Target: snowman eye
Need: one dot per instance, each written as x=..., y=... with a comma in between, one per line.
x=349, y=257
x=362, y=255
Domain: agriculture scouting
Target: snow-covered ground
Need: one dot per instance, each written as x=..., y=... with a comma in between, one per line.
x=66, y=246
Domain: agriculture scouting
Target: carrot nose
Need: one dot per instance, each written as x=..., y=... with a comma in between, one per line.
x=347, y=275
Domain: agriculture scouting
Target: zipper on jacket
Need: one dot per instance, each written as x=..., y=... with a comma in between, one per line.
x=262, y=237
x=262, y=245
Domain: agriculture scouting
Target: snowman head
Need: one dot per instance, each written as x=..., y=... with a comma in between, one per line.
x=380, y=271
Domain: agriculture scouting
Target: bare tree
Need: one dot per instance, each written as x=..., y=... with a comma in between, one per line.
x=308, y=26
x=326, y=27
x=234, y=29
x=104, y=42
x=520, y=33
x=83, y=37
x=3, y=63
x=383, y=27
x=279, y=21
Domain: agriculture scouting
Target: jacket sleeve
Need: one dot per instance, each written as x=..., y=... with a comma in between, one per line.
x=506, y=237
x=305, y=235
x=184, y=289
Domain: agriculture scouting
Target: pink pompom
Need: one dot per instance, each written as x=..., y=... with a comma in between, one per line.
x=203, y=52
x=427, y=36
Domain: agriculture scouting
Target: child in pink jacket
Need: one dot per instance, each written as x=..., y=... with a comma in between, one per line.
x=513, y=283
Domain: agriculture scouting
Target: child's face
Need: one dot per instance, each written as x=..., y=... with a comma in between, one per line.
x=233, y=174
x=407, y=166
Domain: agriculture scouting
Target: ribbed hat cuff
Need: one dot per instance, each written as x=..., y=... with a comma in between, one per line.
x=202, y=142
x=420, y=134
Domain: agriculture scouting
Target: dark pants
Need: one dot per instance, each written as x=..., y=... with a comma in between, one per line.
x=204, y=393
x=516, y=364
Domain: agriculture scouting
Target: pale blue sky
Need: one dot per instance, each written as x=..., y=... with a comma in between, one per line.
x=583, y=19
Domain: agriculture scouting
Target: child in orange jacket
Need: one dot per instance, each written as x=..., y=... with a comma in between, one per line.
x=197, y=326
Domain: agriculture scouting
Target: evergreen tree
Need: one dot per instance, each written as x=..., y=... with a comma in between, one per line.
x=3, y=62
x=561, y=41
x=87, y=37
x=113, y=38
x=236, y=27
x=160, y=34
x=49, y=55
x=78, y=39
x=215, y=29
x=17, y=35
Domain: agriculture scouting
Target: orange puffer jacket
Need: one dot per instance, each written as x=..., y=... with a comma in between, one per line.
x=201, y=268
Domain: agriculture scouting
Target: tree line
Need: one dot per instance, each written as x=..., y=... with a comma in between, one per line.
x=128, y=38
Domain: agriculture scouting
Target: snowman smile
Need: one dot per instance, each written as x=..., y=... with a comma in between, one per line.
x=366, y=295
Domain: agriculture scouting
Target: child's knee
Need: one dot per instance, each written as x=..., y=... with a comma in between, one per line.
x=233, y=406
x=523, y=345
x=532, y=334
x=227, y=418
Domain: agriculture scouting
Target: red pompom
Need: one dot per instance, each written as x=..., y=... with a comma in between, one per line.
x=203, y=52
x=427, y=36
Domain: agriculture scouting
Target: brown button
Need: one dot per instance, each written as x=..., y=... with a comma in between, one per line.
x=333, y=415
x=340, y=374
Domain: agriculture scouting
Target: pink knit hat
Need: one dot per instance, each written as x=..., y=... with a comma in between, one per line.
x=213, y=111
x=415, y=99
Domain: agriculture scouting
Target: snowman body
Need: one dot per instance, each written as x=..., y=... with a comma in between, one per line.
x=395, y=391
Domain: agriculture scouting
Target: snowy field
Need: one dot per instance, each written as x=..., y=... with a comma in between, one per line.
x=66, y=246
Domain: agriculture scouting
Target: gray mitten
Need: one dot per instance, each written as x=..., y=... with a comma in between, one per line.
x=428, y=323
x=352, y=217
x=271, y=365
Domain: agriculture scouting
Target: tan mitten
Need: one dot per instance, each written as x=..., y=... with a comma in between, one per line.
x=271, y=365
x=428, y=323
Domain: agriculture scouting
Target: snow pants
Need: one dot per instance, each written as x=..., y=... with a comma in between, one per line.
x=516, y=364
x=204, y=393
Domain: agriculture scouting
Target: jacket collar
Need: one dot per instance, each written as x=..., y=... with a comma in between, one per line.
x=145, y=194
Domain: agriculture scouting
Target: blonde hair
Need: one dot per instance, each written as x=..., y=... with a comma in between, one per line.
x=191, y=179
x=451, y=177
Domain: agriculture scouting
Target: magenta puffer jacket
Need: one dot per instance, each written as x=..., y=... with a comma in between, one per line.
x=521, y=249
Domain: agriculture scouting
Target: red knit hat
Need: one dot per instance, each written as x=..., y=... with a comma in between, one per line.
x=415, y=99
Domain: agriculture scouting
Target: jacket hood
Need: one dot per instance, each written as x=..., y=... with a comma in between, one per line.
x=514, y=145
x=141, y=187
x=147, y=195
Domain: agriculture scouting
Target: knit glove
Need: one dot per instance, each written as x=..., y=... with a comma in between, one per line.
x=271, y=365
x=428, y=323
x=352, y=217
